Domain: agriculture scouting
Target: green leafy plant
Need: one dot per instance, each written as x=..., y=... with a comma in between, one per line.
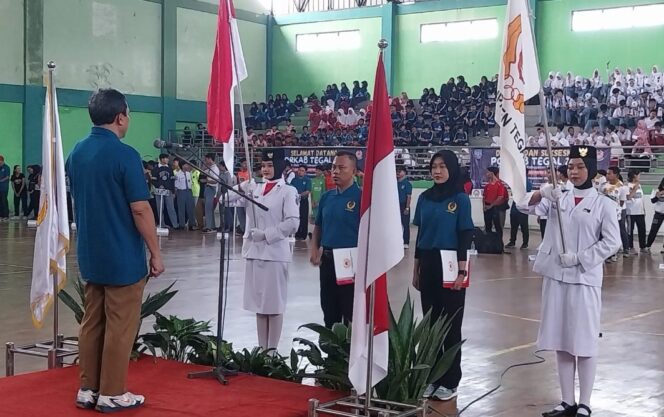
x=415, y=355
x=415, y=358
x=182, y=340
x=329, y=356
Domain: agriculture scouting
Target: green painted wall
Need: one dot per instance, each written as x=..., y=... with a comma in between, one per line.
x=11, y=133
x=144, y=128
x=196, y=33
x=562, y=50
x=422, y=65
x=255, y=6
x=306, y=73
x=105, y=43
x=11, y=44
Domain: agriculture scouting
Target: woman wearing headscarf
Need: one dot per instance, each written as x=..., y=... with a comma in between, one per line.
x=572, y=286
x=266, y=246
x=443, y=215
x=640, y=137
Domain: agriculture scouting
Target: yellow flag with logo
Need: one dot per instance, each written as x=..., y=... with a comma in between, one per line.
x=52, y=240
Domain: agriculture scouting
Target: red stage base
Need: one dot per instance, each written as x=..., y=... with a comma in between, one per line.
x=168, y=393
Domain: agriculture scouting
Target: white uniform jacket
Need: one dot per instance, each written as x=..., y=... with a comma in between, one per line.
x=280, y=221
x=583, y=225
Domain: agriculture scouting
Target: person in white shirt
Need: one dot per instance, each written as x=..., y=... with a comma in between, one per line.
x=557, y=82
x=651, y=120
x=640, y=77
x=573, y=278
x=619, y=113
x=571, y=108
x=655, y=76
x=183, y=194
x=625, y=135
x=558, y=102
x=617, y=191
x=266, y=247
x=636, y=212
x=613, y=141
x=210, y=180
x=615, y=98
x=657, y=199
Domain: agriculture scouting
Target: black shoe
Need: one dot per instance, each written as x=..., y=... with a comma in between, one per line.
x=524, y=246
x=585, y=407
x=568, y=411
x=510, y=245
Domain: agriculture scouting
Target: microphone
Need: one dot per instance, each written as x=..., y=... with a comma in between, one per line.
x=160, y=144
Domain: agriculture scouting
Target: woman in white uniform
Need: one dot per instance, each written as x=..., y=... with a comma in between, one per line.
x=267, y=248
x=572, y=286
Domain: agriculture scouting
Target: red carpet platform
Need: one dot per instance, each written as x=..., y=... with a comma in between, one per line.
x=168, y=393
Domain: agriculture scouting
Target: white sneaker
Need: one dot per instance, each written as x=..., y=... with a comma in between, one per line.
x=86, y=399
x=444, y=394
x=126, y=401
x=406, y=246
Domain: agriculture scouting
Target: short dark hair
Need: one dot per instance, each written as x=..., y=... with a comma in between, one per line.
x=402, y=168
x=350, y=156
x=210, y=155
x=162, y=156
x=104, y=106
x=562, y=170
x=602, y=172
x=494, y=170
x=615, y=170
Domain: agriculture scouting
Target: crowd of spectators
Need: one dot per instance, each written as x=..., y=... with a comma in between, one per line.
x=626, y=110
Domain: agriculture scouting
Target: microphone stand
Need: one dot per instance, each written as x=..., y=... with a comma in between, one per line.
x=219, y=372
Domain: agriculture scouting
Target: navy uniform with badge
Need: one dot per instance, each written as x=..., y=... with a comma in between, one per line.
x=572, y=285
x=337, y=227
x=443, y=217
x=405, y=190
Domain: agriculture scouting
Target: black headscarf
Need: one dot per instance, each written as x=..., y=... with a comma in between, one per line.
x=277, y=157
x=589, y=156
x=451, y=187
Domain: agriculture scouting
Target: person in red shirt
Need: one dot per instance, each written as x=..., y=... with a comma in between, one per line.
x=467, y=183
x=495, y=198
x=329, y=182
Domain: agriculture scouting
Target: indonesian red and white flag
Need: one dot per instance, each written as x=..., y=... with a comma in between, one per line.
x=380, y=243
x=52, y=239
x=228, y=70
x=518, y=82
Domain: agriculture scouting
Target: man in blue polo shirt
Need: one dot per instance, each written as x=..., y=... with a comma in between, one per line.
x=405, y=189
x=302, y=184
x=115, y=222
x=337, y=227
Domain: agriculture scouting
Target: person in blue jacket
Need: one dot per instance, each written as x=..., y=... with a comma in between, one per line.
x=443, y=215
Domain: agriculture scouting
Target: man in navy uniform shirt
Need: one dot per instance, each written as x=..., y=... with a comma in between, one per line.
x=337, y=227
x=115, y=223
x=302, y=184
x=405, y=189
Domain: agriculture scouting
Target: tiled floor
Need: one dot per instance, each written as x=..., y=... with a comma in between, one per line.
x=500, y=324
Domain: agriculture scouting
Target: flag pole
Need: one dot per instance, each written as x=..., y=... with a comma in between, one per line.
x=243, y=122
x=53, y=352
x=382, y=44
x=547, y=133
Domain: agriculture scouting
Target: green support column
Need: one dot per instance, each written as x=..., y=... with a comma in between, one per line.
x=34, y=80
x=268, y=52
x=168, y=66
x=388, y=17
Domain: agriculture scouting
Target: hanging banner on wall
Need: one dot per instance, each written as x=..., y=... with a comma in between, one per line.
x=311, y=157
x=537, y=163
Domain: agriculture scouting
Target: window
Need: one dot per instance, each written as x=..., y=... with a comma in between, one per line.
x=459, y=31
x=329, y=41
x=618, y=18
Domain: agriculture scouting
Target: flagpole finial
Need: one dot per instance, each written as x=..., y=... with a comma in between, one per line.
x=51, y=65
x=382, y=44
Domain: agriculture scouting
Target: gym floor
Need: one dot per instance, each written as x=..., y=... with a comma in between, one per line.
x=500, y=323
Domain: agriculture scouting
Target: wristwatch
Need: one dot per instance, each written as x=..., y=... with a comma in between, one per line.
x=463, y=272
